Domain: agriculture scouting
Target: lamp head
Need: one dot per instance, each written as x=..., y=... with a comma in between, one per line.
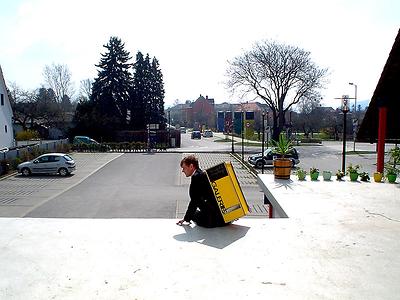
x=345, y=103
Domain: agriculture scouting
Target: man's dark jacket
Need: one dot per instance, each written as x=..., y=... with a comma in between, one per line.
x=203, y=208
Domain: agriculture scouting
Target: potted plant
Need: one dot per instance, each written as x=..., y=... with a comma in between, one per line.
x=391, y=174
x=364, y=176
x=378, y=176
x=301, y=174
x=314, y=173
x=282, y=165
x=394, y=160
x=339, y=175
x=327, y=175
x=352, y=171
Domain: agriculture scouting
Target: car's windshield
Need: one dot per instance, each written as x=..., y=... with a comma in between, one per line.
x=266, y=152
x=67, y=157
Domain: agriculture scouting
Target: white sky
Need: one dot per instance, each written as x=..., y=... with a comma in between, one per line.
x=194, y=39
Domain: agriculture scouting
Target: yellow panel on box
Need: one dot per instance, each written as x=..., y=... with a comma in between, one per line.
x=227, y=191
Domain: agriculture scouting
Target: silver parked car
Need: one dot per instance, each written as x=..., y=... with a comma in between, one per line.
x=207, y=133
x=49, y=163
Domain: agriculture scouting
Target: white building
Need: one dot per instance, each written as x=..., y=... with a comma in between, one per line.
x=6, y=114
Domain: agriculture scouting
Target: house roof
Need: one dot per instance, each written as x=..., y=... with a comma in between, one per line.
x=249, y=106
x=387, y=94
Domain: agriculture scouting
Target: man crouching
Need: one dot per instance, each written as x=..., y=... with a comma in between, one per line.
x=202, y=209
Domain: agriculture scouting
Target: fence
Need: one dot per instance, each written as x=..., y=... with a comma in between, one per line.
x=31, y=146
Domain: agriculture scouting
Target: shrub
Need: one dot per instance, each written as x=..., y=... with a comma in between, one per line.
x=27, y=135
x=15, y=162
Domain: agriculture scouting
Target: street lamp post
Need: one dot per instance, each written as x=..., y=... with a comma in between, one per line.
x=169, y=128
x=345, y=110
x=263, y=141
x=233, y=147
x=242, y=136
x=355, y=120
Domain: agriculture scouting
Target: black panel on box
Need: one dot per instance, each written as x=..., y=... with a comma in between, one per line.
x=217, y=172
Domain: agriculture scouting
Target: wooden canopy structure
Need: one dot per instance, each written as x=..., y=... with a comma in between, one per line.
x=382, y=120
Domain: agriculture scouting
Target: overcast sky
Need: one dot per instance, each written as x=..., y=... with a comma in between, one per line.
x=193, y=40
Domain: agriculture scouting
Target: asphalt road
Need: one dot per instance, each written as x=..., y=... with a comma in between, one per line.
x=131, y=186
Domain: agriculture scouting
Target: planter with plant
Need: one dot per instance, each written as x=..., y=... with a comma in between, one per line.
x=364, y=176
x=352, y=171
x=314, y=173
x=391, y=167
x=327, y=175
x=301, y=174
x=339, y=175
x=391, y=174
x=378, y=176
x=282, y=165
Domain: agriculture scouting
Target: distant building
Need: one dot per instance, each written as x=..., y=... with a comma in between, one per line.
x=6, y=115
x=223, y=117
x=203, y=113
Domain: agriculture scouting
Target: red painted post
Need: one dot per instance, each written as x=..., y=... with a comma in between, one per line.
x=381, y=139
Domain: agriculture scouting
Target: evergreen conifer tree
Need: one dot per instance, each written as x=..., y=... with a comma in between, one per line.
x=147, y=94
x=140, y=93
x=157, y=93
x=110, y=93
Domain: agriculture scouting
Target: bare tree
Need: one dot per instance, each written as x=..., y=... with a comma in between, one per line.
x=58, y=78
x=85, y=89
x=23, y=104
x=279, y=74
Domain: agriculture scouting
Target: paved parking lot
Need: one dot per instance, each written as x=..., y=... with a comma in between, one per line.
x=19, y=195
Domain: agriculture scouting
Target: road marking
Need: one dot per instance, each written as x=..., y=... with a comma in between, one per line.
x=68, y=188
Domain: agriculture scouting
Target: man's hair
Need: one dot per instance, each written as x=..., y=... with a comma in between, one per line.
x=190, y=159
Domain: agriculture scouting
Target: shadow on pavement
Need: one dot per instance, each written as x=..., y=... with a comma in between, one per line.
x=219, y=237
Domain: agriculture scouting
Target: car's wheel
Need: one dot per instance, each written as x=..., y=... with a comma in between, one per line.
x=259, y=164
x=63, y=172
x=26, y=172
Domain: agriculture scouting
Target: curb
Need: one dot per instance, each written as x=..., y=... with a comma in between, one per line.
x=250, y=170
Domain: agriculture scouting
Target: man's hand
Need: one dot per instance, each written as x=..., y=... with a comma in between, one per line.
x=181, y=222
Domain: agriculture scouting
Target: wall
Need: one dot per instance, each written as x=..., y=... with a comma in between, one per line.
x=6, y=129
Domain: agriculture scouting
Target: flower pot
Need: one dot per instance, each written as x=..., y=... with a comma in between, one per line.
x=327, y=175
x=353, y=176
x=314, y=175
x=282, y=168
x=391, y=178
x=378, y=177
x=301, y=176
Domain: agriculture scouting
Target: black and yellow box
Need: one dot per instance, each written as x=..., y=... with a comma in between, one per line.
x=227, y=191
